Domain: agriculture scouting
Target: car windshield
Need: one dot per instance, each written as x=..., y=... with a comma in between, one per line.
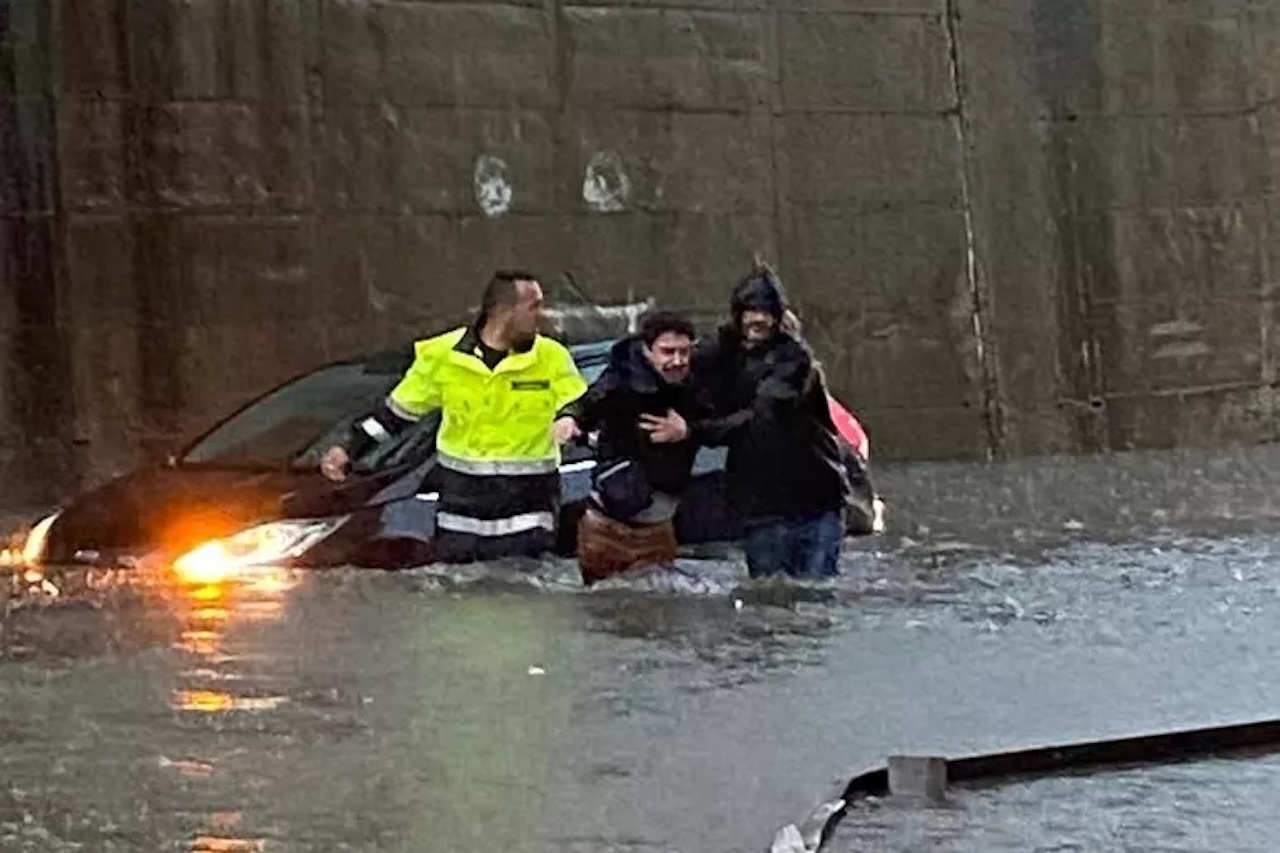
x=295, y=422
x=293, y=425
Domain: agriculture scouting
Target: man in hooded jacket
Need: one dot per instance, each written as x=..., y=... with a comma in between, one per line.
x=785, y=473
x=641, y=404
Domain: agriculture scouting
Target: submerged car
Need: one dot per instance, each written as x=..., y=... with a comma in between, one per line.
x=249, y=492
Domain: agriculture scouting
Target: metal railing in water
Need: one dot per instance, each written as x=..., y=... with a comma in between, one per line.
x=811, y=834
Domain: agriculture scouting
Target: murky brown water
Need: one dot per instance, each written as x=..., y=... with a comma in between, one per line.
x=423, y=712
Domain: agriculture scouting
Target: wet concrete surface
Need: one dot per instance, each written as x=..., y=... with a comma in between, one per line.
x=482, y=710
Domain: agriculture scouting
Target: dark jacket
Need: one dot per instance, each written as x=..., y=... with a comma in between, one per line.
x=770, y=409
x=629, y=387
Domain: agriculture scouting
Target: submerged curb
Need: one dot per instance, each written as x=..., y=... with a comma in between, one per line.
x=1261, y=736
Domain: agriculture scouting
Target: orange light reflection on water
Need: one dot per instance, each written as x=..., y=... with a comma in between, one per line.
x=221, y=844
x=219, y=701
x=259, y=585
x=200, y=641
x=208, y=592
x=211, y=610
x=214, y=595
x=218, y=837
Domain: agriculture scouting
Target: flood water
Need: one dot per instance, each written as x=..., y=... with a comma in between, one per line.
x=1012, y=606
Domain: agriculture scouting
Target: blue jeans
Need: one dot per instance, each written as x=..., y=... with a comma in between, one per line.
x=803, y=546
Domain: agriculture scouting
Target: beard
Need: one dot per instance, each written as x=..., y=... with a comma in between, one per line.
x=674, y=378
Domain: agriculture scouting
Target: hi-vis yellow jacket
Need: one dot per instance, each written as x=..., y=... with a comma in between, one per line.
x=492, y=421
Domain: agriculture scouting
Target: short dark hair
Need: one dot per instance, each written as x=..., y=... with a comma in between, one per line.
x=660, y=323
x=502, y=290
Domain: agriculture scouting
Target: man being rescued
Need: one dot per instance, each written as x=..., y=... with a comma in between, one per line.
x=498, y=384
x=642, y=405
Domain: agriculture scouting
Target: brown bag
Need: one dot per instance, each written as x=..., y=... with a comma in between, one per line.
x=607, y=547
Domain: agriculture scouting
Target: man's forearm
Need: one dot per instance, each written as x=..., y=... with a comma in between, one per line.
x=574, y=409
x=717, y=431
x=379, y=426
x=772, y=395
x=586, y=410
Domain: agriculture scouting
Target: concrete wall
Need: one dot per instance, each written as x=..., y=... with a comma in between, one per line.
x=1012, y=226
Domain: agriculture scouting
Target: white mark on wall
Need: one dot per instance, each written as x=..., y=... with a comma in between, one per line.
x=492, y=185
x=377, y=301
x=628, y=312
x=1176, y=328
x=1180, y=338
x=606, y=187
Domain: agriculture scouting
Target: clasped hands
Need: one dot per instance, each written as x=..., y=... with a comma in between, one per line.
x=662, y=429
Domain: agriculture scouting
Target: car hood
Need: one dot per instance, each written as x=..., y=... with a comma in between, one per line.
x=174, y=509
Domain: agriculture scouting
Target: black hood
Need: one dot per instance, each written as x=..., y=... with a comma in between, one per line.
x=628, y=360
x=759, y=291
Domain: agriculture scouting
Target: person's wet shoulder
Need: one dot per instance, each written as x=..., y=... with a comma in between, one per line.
x=793, y=349
x=710, y=351
x=627, y=352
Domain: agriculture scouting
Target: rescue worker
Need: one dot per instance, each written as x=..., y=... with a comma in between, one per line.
x=498, y=384
x=643, y=462
x=784, y=470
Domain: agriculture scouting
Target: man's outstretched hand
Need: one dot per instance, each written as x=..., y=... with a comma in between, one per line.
x=334, y=463
x=566, y=430
x=665, y=429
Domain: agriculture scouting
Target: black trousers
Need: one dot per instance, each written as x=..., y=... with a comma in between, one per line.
x=491, y=516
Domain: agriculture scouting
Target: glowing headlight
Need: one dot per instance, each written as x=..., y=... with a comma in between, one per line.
x=33, y=549
x=265, y=544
